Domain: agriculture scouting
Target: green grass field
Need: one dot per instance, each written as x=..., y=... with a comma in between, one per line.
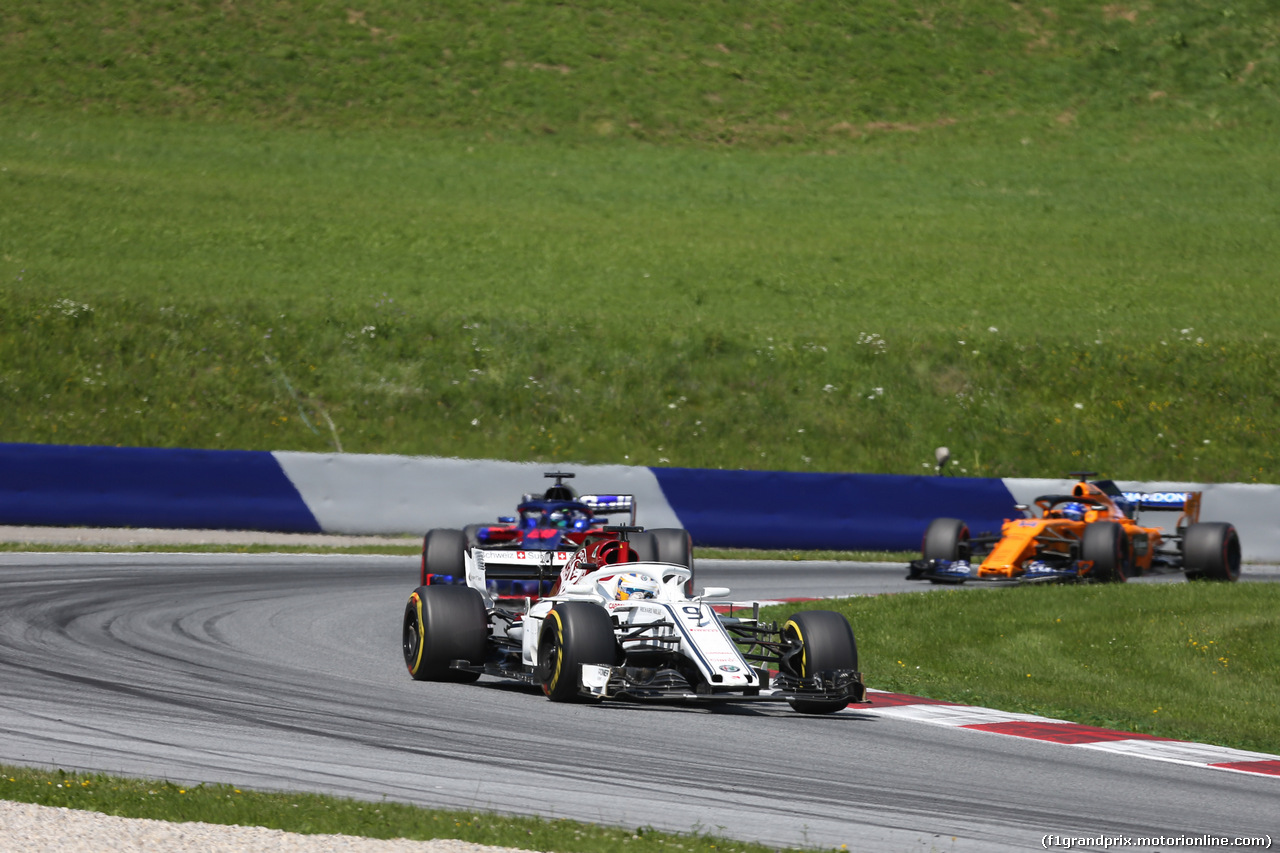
x=747, y=72
x=631, y=304
x=803, y=237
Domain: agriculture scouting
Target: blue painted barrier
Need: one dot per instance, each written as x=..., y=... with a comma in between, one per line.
x=347, y=493
x=148, y=487
x=786, y=510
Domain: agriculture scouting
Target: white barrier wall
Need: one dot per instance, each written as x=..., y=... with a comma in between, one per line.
x=368, y=494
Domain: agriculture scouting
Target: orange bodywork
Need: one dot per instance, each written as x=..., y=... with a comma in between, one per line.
x=1051, y=536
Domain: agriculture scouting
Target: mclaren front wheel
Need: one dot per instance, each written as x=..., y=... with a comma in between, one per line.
x=1105, y=544
x=946, y=539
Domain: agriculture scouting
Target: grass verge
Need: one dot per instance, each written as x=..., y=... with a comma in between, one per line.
x=1193, y=661
x=314, y=814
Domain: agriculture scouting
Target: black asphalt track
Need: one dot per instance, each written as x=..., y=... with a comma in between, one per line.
x=284, y=672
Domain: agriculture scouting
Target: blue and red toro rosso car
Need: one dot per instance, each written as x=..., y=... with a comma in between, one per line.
x=558, y=520
x=543, y=535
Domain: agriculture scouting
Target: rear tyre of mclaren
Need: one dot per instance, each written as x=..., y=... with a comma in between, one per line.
x=443, y=624
x=444, y=553
x=1211, y=551
x=574, y=633
x=825, y=642
x=1105, y=543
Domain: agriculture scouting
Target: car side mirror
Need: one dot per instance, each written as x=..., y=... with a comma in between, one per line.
x=715, y=592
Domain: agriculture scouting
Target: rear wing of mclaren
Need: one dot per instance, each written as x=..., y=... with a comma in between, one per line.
x=1188, y=503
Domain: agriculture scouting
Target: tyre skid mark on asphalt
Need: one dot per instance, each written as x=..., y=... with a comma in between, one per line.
x=903, y=706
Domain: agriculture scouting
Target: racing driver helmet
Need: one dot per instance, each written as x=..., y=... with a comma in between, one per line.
x=1073, y=511
x=633, y=587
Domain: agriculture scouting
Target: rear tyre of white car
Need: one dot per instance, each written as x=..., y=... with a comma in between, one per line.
x=443, y=624
x=573, y=633
x=1105, y=543
x=671, y=545
x=826, y=642
x=645, y=546
x=1211, y=551
x=444, y=553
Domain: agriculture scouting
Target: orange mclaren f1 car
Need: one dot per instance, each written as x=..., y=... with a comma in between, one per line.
x=1091, y=534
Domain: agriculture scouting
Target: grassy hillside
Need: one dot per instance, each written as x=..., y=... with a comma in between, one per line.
x=742, y=71
x=809, y=236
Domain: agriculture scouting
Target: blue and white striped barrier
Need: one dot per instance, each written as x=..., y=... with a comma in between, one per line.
x=62, y=485
x=374, y=494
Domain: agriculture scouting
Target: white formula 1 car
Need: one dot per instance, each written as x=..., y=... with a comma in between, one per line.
x=614, y=627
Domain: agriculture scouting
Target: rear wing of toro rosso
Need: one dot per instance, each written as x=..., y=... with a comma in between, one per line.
x=599, y=504
x=610, y=504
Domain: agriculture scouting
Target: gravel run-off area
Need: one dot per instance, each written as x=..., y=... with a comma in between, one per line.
x=44, y=829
